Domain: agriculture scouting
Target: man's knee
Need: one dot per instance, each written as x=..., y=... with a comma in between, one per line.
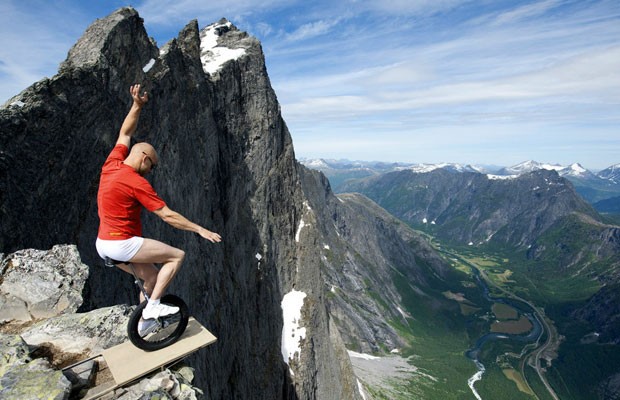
x=180, y=255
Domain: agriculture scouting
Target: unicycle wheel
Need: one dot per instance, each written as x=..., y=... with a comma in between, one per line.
x=169, y=330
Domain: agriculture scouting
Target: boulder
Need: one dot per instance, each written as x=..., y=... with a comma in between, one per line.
x=85, y=333
x=41, y=284
x=34, y=380
x=171, y=384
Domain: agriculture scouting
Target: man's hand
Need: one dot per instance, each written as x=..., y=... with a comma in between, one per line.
x=138, y=99
x=131, y=120
x=211, y=236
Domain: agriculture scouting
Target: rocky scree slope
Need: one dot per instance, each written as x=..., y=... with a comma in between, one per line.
x=226, y=161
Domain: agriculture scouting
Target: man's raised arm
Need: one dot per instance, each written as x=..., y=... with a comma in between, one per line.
x=131, y=120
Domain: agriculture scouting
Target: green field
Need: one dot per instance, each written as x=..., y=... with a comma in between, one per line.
x=438, y=337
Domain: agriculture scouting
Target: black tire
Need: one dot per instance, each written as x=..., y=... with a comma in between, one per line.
x=167, y=335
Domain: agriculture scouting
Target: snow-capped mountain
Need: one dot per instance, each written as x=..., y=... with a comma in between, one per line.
x=573, y=170
x=323, y=164
x=612, y=173
x=317, y=163
x=593, y=187
x=452, y=167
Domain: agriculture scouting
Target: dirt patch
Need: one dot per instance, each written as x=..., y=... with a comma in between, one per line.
x=56, y=357
x=16, y=327
x=467, y=310
x=523, y=325
x=516, y=377
x=460, y=297
x=504, y=311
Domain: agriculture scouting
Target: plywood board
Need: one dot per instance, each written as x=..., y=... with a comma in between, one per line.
x=127, y=362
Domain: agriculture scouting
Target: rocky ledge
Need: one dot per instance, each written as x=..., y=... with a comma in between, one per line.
x=42, y=336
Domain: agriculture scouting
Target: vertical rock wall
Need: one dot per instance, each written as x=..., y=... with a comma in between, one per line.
x=226, y=162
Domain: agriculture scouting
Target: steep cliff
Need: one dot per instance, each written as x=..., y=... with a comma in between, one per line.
x=226, y=161
x=363, y=252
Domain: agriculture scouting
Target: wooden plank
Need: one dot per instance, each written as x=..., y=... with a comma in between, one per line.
x=127, y=362
x=100, y=391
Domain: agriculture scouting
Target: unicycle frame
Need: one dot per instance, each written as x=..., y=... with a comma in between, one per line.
x=114, y=263
x=138, y=281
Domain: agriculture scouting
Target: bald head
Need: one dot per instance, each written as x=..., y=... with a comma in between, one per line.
x=140, y=148
x=142, y=157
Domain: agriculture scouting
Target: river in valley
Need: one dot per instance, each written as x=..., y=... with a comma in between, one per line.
x=523, y=308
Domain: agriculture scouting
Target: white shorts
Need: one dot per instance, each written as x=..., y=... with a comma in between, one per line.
x=119, y=250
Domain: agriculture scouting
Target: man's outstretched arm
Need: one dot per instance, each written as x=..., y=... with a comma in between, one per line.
x=131, y=120
x=178, y=221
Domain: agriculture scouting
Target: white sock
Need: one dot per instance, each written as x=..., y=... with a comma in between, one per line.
x=153, y=302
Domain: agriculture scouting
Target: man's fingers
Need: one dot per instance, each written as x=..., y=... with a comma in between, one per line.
x=213, y=237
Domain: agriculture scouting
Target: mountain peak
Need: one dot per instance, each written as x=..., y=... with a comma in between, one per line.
x=574, y=170
x=221, y=42
x=452, y=167
x=611, y=173
x=100, y=44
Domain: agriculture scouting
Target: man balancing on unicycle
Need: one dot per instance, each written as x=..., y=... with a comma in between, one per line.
x=123, y=191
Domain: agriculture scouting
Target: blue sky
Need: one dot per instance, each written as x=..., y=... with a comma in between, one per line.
x=478, y=82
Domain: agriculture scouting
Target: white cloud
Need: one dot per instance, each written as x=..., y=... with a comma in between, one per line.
x=312, y=29
x=504, y=74
x=526, y=11
x=179, y=12
x=410, y=7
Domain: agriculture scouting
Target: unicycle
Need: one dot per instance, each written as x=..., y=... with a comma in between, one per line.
x=166, y=330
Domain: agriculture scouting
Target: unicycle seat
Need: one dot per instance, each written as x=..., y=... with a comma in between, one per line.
x=111, y=263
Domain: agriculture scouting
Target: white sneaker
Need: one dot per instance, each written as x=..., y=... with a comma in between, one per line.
x=159, y=310
x=147, y=326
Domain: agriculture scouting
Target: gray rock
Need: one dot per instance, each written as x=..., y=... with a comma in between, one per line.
x=13, y=352
x=41, y=284
x=32, y=381
x=83, y=333
x=81, y=376
x=167, y=384
x=13, y=309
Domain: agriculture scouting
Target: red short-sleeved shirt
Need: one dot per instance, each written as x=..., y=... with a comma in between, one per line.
x=122, y=194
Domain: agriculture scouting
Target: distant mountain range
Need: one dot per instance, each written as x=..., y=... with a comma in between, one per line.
x=594, y=187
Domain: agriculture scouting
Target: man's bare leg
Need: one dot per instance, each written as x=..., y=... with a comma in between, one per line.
x=145, y=272
x=153, y=251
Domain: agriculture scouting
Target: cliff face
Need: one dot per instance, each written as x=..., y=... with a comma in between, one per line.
x=226, y=161
x=363, y=252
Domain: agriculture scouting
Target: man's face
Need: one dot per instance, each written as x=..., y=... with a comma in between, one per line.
x=149, y=162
